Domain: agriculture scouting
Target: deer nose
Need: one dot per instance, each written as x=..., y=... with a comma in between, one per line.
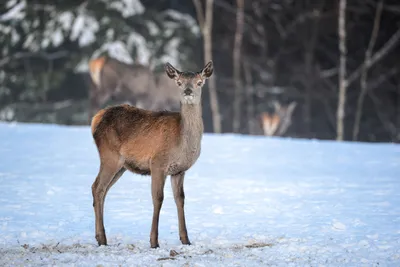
x=188, y=91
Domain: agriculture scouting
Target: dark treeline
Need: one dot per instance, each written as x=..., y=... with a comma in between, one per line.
x=267, y=55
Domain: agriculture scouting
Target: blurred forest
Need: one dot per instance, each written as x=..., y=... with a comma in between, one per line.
x=298, y=68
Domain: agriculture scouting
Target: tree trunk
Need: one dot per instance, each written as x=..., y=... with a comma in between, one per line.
x=309, y=83
x=46, y=80
x=342, y=72
x=249, y=95
x=398, y=114
x=309, y=58
x=364, y=74
x=236, y=65
x=205, y=23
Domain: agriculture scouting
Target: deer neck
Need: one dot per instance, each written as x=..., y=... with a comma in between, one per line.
x=191, y=128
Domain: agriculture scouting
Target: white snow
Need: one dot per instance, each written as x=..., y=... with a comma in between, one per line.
x=143, y=51
x=116, y=49
x=79, y=22
x=126, y=7
x=7, y=113
x=84, y=29
x=66, y=19
x=185, y=19
x=250, y=201
x=16, y=11
x=172, y=52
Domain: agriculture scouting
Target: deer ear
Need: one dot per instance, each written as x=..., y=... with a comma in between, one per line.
x=207, y=71
x=291, y=107
x=171, y=71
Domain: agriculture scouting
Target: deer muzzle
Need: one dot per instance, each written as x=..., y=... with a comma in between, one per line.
x=187, y=92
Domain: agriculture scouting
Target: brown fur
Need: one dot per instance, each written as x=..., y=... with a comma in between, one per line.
x=136, y=134
x=96, y=120
x=156, y=143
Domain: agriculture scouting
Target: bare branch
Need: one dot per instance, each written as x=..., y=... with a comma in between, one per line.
x=387, y=124
x=393, y=9
x=231, y=9
x=390, y=44
x=286, y=118
x=342, y=71
x=22, y=55
x=383, y=77
x=364, y=74
x=200, y=13
x=328, y=73
x=284, y=32
x=300, y=19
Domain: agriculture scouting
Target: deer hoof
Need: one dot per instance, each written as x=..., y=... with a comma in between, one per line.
x=101, y=240
x=155, y=246
x=185, y=241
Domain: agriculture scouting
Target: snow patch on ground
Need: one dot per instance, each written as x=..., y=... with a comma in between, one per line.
x=250, y=201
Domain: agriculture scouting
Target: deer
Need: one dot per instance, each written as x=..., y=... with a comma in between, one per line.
x=155, y=143
x=133, y=82
x=277, y=123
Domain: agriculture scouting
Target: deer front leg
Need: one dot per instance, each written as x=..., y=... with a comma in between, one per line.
x=179, y=196
x=157, y=192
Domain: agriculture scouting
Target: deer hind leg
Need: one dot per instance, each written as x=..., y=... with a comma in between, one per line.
x=115, y=179
x=157, y=191
x=110, y=171
x=179, y=196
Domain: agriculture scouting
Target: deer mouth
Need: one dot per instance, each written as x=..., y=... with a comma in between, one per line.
x=188, y=97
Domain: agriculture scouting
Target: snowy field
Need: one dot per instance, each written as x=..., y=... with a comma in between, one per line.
x=250, y=201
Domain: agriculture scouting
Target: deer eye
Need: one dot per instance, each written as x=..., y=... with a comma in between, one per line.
x=179, y=83
x=199, y=83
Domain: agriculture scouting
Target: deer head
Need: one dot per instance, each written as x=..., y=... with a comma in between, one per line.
x=277, y=122
x=189, y=83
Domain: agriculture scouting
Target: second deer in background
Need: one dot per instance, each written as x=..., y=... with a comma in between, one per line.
x=133, y=83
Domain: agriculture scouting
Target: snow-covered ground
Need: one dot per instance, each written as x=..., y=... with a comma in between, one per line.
x=250, y=201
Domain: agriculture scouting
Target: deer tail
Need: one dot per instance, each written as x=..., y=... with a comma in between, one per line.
x=96, y=120
x=95, y=67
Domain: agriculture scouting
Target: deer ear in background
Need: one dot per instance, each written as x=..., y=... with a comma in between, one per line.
x=207, y=71
x=171, y=71
x=291, y=108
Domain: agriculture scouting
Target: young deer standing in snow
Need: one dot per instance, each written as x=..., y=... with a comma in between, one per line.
x=150, y=143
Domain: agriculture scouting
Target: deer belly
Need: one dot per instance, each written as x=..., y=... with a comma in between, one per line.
x=137, y=168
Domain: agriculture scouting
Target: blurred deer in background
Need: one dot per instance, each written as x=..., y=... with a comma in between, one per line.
x=277, y=122
x=133, y=83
